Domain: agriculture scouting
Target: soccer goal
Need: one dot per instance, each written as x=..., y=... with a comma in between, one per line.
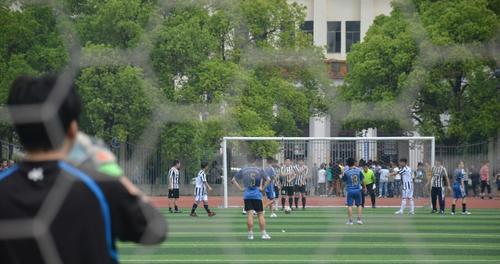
x=320, y=152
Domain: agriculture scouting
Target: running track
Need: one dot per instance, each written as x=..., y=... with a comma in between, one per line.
x=217, y=201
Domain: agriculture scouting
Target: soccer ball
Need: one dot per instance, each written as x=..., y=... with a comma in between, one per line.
x=288, y=210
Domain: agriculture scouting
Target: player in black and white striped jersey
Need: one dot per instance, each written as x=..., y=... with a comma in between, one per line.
x=173, y=186
x=438, y=181
x=287, y=176
x=299, y=187
x=201, y=190
x=407, y=180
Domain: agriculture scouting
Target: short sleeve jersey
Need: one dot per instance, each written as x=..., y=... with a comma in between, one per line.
x=353, y=177
x=251, y=178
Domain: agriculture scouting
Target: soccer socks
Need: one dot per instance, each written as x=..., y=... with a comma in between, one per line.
x=403, y=205
x=303, y=202
x=283, y=201
x=464, y=207
x=206, y=208
x=453, y=208
x=176, y=208
x=194, y=208
x=290, y=201
x=296, y=200
x=412, y=205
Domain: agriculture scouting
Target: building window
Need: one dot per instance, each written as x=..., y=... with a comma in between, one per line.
x=333, y=36
x=308, y=28
x=352, y=29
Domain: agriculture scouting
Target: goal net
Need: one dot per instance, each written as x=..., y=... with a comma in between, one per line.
x=318, y=153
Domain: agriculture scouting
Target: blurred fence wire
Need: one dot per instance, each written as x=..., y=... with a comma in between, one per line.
x=149, y=169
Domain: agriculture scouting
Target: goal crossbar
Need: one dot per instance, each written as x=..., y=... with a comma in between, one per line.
x=226, y=139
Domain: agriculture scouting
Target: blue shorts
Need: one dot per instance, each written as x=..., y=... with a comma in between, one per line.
x=270, y=192
x=353, y=197
x=458, y=192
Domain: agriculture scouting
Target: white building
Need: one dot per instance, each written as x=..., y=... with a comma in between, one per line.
x=335, y=26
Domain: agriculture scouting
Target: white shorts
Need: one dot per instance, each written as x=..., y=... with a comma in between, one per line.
x=408, y=194
x=199, y=198
x=200, y=194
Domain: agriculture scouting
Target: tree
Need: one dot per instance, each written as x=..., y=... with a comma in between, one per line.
x=427, y=70
x=112, y=22
x=203, y=55
x=115, y=102
x=245, y=66
x=183, y=43
x=30, y=44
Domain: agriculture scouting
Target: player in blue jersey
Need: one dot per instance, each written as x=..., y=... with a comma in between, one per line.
x=270, y=190
x=353, y=178
x=459, y=189
x=254, y=182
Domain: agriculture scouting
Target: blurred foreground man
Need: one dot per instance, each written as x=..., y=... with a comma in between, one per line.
x=54, y=212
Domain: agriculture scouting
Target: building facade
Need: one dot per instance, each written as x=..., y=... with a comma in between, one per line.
x=336, y=25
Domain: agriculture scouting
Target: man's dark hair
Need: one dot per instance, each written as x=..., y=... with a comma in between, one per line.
x=350, y=162
x=251, y=158
x=176, y=162
x=269, y=160
x=27, y=91
x=204, y=164
x=403, y=160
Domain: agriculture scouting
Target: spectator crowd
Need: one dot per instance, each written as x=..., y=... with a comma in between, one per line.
x=477, y=179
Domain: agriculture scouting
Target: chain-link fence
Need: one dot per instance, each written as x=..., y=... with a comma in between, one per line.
x=147, y=167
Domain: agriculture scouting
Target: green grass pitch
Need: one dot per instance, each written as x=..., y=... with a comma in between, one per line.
x=321, y=236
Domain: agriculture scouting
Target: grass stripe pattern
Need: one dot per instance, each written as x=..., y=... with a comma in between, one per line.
x=320, y=235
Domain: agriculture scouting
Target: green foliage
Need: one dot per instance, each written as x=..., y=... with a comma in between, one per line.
x=114, y=101
x=113, y=22
x=458, y=21
x=381, y=61
x=442, y=75
x=29, y=44
x=198, y=57
x=206, y=54
x=479, y=117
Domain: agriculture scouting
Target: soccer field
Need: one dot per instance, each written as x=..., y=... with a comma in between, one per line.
x=321, y=236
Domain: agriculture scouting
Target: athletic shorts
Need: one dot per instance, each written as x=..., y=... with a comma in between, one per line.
x=353, y=197
x=254, y=204
x=458, y=192
x=200, y=195
x=407, y=193
x=299, y=189
x=270, y=194
x=174, y=193
x=287, y=190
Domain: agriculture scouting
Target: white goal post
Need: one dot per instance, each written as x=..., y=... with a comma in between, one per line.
x=365, y=147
